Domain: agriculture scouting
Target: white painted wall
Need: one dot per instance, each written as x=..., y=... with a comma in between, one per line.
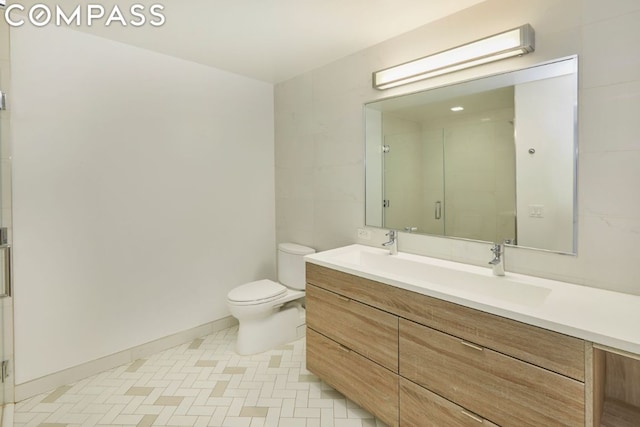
x=143, y=192
x=322, y=109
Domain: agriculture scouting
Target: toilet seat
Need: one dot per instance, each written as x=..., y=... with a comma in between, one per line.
x=258, y=292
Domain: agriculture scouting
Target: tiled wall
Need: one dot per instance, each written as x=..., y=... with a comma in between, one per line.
x=319, y=136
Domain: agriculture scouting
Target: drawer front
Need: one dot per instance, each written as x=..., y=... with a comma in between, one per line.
x=505, y=390
x=551, y=350
x=371, y=332
x=366, y=383
x=421, y=408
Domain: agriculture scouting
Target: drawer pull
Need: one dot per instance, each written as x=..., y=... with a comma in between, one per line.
x=472, y=416
x=473, y=346
x=345, y=299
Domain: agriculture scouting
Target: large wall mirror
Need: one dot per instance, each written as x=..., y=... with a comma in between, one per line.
x=492, y=159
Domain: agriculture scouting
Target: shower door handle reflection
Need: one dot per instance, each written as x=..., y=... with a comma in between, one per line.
x=5, y=271
x=438, y=209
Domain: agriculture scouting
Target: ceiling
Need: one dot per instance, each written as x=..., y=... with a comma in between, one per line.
x=270, y=40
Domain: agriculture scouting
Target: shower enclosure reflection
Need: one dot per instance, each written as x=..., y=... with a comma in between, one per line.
x=6, y=302
x=491, y=159
x=453, y=174
x=4, y=266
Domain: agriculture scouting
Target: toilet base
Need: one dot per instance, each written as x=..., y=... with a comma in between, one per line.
x=256, y=336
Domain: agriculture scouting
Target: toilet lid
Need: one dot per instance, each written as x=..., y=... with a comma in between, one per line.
x=257, y=291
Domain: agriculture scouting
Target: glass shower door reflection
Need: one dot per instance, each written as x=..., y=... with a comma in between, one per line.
x=5, y=261
x=4, y=267
x=6, y=302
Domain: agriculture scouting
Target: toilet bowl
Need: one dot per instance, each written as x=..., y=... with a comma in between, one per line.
x=270, y=313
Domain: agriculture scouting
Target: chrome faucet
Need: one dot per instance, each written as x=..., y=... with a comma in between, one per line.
x=392, y=244
x=498, y=260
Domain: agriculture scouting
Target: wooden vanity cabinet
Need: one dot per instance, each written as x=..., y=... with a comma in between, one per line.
x=370, y=385
x=453, y=366
x=501, y=388
x=360, y=327
x=553, y=351
x=421, y=407
x=354, y=348
x=616, y=396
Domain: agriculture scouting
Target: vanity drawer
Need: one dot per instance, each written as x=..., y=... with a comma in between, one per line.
x=551, y=350
x=363, y=381
x=421, y=408
x=505, y=390
x=371, y=332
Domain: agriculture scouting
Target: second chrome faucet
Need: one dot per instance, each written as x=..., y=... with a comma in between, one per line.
x=498, y=260
x=392, y=244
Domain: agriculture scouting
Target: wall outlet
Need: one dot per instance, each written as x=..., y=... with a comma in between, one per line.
x=536, y=211
x=364, y=234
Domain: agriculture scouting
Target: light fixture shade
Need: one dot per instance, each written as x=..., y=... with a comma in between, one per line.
x=515, y=42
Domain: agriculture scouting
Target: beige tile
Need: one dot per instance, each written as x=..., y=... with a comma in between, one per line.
x=172, y=392
x=56, y=394
x=308, y=379
x=139, y=391
x=169, y=400
x=52, y=425
x=234, y=370
x=254, y=411
x=219, y=389
x=206, y=363
x=196, y=344
x=147, y=421
x=136, y=365
x=275, y=361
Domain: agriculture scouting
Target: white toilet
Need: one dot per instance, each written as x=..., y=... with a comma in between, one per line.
x=269, y=313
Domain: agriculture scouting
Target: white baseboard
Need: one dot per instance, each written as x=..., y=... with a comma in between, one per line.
x=50, y=382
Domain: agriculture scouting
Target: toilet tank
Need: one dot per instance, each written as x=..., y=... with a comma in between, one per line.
x=291, y=271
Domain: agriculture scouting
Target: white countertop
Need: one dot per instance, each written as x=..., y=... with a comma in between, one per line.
x=603, y=317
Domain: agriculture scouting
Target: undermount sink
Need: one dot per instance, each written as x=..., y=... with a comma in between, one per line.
x=440, y=275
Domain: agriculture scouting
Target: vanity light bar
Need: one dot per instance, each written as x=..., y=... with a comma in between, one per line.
x=515, y=42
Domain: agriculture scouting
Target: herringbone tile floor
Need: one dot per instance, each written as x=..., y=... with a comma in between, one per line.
x=204, y=383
